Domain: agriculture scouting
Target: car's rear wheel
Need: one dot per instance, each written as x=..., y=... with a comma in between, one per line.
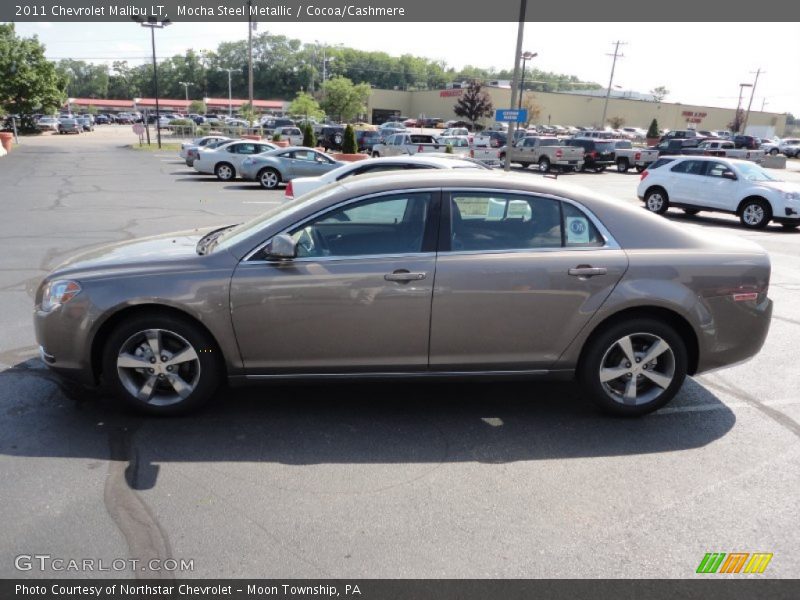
x=691, y=211
x=622, y=165
x=162, y=365
x=224, y=172
x=269, y=178
x=525, y=165
x=656, y=201
x=634, y=367
x=755, y=213
x=600, y=169
x=544, y=164
x=774, y=152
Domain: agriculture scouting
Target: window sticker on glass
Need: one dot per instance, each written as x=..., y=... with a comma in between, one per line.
x=577, y=230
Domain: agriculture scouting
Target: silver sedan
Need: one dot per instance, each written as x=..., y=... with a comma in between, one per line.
x=282, y=165
x=433, y=274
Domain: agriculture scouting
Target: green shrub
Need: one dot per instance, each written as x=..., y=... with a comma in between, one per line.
x=309, y=140
x=652, y=132
x=448, y=149
x=181, y=122
x=276, y=137
x=349, y=145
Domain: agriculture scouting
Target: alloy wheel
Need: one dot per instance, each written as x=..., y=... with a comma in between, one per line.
x=655, y=202
x=269, y=179
x=753, y=215
x=637, y=368
x=158, y=367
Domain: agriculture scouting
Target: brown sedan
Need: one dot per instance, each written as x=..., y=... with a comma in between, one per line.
x=412, y=275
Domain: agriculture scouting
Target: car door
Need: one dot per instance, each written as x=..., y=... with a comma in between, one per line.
x=684, y=181
x=236, y=153
x=517, y=277
x=720, y=191
x=304, y=163
x=356, y=298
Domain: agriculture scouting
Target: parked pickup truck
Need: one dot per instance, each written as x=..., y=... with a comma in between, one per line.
x=626, y=156
x=724, y=148
x=487, y=155
x=407, y=144
x=545, y=152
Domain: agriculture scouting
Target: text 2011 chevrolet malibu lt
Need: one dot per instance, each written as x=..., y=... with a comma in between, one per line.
x=414, y=275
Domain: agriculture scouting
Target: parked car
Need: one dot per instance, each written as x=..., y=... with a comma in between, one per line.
x=455, y=131
x=293, y=135
x=459, y=144
x=47, y=124
x=724, y=148
x=189, y=152
x=790, y=147
x=680, y=134
x=341, y=285
x=270, y=124
x=86, y=123
x=545, y=153
x=746, y=141
x=69, y=126
x=330, y=137
x=626, y=156
x=597, y=153
x=739, y=187
x=226, y=160
x=490, y=138
x=366, y=140
x=303, y=185
x=102, y=119
x=392, y=125
x=284, y=164
x=406, y=143
x=676, y=146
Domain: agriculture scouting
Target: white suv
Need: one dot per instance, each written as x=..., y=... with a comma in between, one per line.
x=740, y=187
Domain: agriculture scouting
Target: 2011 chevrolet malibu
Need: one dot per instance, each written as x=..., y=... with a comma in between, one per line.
x=412, y=275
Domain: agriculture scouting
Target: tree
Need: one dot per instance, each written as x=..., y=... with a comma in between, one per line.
x=349, y=145
x=84, y=80
x=534, y=108
x=28, y=81
x=652, y=131
x=738, y=120
x=91, y=109
x=343, y=99
x=197, y=107
x=474, y=104
x=659, y=93
x=248, y=113
x=305, y=104
x=616, y=122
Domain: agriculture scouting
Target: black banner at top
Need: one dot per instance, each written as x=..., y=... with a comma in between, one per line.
x=402, y=11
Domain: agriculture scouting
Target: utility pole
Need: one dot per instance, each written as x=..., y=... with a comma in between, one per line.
x=250, y=54
x=616, y=55
x=230, y=93
x=752, y=93
x=512, y=127
x=185, y=85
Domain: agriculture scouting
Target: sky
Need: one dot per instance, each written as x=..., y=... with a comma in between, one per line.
x=700, y=63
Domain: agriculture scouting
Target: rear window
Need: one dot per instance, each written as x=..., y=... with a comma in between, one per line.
x=660, y=163
x=604, y=146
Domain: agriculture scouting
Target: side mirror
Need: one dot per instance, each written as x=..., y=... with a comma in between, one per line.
x=729, y=175
x=282, y=247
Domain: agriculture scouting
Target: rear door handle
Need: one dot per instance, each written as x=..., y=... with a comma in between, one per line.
x=404, y=276
x=587, y=271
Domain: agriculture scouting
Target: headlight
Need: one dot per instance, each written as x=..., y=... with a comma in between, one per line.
x=59, y=292
x=791, y=195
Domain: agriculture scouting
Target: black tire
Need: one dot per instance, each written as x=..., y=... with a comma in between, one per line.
x=623, y=165
x=774, y=152
x=600, y=169
x=225, y=171
x=603, y=352
x=656, y=200
x=640, y=169
x=544, y=165
x=202, y=376
x=269, y=178
x=376, y=155
x=691, y=211
x=525, y=165
x=755, y=213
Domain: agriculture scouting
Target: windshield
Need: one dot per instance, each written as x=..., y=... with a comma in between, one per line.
x=241, y=232
x=753, y=172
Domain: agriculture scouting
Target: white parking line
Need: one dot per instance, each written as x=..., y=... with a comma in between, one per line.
x=722, y=405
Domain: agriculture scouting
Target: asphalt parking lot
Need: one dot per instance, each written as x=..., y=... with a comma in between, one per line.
x=347, y=481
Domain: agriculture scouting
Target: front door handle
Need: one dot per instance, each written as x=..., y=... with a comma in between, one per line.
x=404, y=276
x=587, y=271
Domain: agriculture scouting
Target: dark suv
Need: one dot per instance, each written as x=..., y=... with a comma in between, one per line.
x=597, y=154
x=746, y=141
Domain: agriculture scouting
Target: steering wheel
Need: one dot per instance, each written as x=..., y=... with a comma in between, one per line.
x=319, y=242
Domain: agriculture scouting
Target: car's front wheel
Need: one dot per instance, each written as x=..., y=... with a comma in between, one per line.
x=755, y=213
x=634, y=367
x=269, y=179
x=162, y=365
x=656, y=201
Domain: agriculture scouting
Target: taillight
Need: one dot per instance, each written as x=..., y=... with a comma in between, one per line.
x=559, y=153
x=289, y=190
x=637, y=156
x=419, y=149
x=593, y=154
x=644, y=175
x=471, y=153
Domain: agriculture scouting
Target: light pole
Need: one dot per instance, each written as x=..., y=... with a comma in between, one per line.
x=526, y=56
x=616, y=55
x=185, y=85
x=325, y=58
x=153, y=23
x=736, y=120
x=230, y=93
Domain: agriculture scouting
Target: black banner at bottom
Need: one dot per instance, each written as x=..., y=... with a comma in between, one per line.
x=397, y=589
